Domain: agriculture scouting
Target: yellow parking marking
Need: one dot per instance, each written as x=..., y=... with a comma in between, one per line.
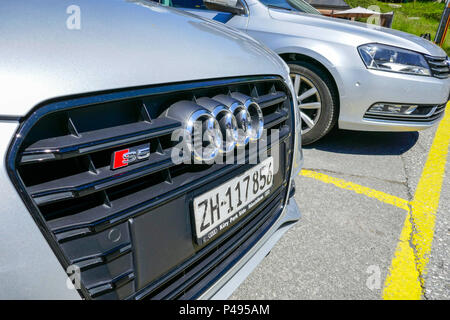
x=403, y=280
x=371, y=193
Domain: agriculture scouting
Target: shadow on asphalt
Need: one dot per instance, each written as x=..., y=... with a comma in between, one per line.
x=366, y=143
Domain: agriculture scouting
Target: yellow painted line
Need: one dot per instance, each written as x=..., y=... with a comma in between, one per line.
x=405, y=281
x=402, y=282
x=371, y=193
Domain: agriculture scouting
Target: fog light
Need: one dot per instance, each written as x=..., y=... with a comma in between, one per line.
x=391, y=109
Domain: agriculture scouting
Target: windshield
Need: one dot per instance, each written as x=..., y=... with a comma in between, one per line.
x=296, y=5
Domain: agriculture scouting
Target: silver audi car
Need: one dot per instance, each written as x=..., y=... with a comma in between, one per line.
x=95, y=203
x=360, y=76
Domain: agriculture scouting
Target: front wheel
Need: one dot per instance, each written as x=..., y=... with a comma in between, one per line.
x=316, y=99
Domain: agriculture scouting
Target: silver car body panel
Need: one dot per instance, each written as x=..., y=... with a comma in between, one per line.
x=333, y=43
x=28, y=267
x=153, y=46
x=45, y=61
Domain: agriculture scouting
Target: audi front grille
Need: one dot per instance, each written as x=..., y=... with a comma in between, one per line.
x=129, y=230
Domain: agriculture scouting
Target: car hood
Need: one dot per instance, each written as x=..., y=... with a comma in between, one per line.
x=119, y=44
x=356, y=33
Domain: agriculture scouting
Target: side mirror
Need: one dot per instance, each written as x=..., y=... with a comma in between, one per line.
x=232, y=6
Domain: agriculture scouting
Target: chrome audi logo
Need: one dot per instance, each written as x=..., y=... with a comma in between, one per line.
x=215, y=126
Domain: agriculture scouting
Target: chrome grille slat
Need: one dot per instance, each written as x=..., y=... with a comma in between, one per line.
x=86, y=183
x=101, y=288
x=439, y=66
x=440, y=70
x=271, y=99
x=101, y=258
x=89, y=142
x=275, y=118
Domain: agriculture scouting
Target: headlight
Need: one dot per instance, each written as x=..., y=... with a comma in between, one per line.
x=386, y=58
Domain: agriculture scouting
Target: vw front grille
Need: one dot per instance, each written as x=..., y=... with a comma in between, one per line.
x=439, y=67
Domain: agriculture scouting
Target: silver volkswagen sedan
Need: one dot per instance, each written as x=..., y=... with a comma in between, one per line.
x=360, y=76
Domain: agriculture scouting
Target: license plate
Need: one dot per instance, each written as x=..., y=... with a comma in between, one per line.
x=218, y=209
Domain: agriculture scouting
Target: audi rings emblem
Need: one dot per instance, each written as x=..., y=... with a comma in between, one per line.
x=218, y=125
x=255, y=114
x=204, y=135
x=244, y=126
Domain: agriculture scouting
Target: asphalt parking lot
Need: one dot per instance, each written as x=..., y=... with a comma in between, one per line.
x=375, y=225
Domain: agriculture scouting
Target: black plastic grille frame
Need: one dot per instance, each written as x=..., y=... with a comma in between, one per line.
x=93, y=216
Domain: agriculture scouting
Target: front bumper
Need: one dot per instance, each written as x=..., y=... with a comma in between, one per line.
x=364, y=87
x=230, y=281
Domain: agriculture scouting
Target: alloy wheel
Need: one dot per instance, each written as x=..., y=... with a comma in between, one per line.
x=309, y=101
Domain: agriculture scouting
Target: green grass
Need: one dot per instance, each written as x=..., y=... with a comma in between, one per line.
x=429, y=14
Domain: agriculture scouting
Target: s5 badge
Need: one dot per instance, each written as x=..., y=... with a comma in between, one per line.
x=125, y=157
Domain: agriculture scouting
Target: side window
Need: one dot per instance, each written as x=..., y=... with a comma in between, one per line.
x=165, y=2
x=190, y=4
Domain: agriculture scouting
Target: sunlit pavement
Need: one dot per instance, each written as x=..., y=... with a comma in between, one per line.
x=369, y=230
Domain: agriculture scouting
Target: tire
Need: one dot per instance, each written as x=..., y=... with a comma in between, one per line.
x=320, y=107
